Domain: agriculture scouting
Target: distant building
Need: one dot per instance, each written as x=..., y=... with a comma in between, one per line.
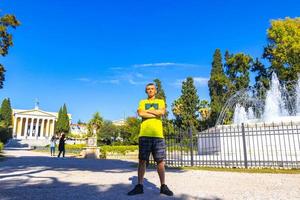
x=119, y=122
x=78, y=129
x=34, y=124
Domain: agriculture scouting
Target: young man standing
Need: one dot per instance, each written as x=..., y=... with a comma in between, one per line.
x=151, y=139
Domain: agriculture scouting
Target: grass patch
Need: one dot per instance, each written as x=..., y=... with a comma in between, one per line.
x=237, y=170
x=56, y=152
x=122, y=150
x=242, y=170
x=71, y=149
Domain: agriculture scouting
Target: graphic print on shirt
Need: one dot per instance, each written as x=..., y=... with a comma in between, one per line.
x=148, y=106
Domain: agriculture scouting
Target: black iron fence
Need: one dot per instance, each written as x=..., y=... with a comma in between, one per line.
x=275, y=145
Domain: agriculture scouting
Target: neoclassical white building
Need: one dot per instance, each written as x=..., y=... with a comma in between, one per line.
x=34, y=124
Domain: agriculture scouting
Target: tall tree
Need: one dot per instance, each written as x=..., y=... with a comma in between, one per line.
x=217, y=85
x=283, y=48
x=261, y=79
x=6, y=113
x=58, y=122
x=108, y=132
x=205, y=113
x=189, y=102
x=80, y=122
x=63, y=121
x=237, y=70
x=130, y=131
x=160, y=92
x=167, y=124
x=177, y=111
x=6, y=40
x=95, y=124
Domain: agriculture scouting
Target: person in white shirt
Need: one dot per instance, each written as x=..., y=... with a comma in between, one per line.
x=52, y=145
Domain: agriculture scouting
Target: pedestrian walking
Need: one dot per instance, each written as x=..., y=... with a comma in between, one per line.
x=52, y=145
x=61, y=145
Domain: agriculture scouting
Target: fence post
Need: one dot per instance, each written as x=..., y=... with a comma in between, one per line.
x=191, y=145
x=181, y=153
x=244, y=146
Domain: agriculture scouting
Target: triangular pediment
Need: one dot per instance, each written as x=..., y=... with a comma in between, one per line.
x=38, y=113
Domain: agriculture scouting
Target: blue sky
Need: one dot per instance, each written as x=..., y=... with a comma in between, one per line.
x=98, y=55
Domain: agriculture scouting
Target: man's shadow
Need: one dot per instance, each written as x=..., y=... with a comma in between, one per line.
x=147, y=185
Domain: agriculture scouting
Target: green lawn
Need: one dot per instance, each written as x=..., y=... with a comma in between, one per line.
x=242, y=170
x=239, y=170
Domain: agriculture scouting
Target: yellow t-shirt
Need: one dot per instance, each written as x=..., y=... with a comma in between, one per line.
x=151, y=127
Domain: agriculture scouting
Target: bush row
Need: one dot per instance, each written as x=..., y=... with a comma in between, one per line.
x=74, y=146
x=5, y=134
x=104, y=150
x=1, y=146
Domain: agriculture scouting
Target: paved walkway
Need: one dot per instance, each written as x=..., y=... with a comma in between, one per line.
x=31, y=175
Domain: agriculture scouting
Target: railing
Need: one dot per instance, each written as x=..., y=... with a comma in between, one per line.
x=275, y=145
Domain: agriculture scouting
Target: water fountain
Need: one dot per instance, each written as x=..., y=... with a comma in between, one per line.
x=279, y=105
x=274, y=105
x=265, y=128
x=240, y=114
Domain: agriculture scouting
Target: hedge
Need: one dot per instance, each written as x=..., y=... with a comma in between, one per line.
x=117, y=149
x=1, y=146
x=74, y=146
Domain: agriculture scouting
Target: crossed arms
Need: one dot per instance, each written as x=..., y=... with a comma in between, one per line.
x=146, y=114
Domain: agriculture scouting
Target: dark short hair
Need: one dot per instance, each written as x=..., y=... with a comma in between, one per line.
x=149, y=84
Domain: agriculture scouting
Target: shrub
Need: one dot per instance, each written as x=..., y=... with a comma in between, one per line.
x=5, y=134
x=70, y=148
x=1, y=146
x=117, y=149
x=74, y=146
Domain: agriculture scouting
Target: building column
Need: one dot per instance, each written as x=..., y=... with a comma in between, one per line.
x=31, y=128
x=37, y=125
x=47, y=128
x=26, y=127
x=15, y=126
x=19, y=129
x=53, y=127
x=42, y=127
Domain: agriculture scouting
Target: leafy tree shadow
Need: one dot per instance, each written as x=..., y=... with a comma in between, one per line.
x=51, y=188
x=20, y=178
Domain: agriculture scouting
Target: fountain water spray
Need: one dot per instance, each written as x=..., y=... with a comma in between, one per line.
x=240, y=114
x=274, y=105
x=278, y=105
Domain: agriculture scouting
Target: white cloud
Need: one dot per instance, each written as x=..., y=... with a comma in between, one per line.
x=165, y=64
x=198, y=81
x=132, y=82
x=84, y=79
x=116, y=68
x=178, y=82
x=139, y=75
x=201, y=81
x=155, y=65
x=88, y=80
x=112, y=81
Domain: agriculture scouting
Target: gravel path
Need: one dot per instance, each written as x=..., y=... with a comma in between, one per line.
x=31, y=175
